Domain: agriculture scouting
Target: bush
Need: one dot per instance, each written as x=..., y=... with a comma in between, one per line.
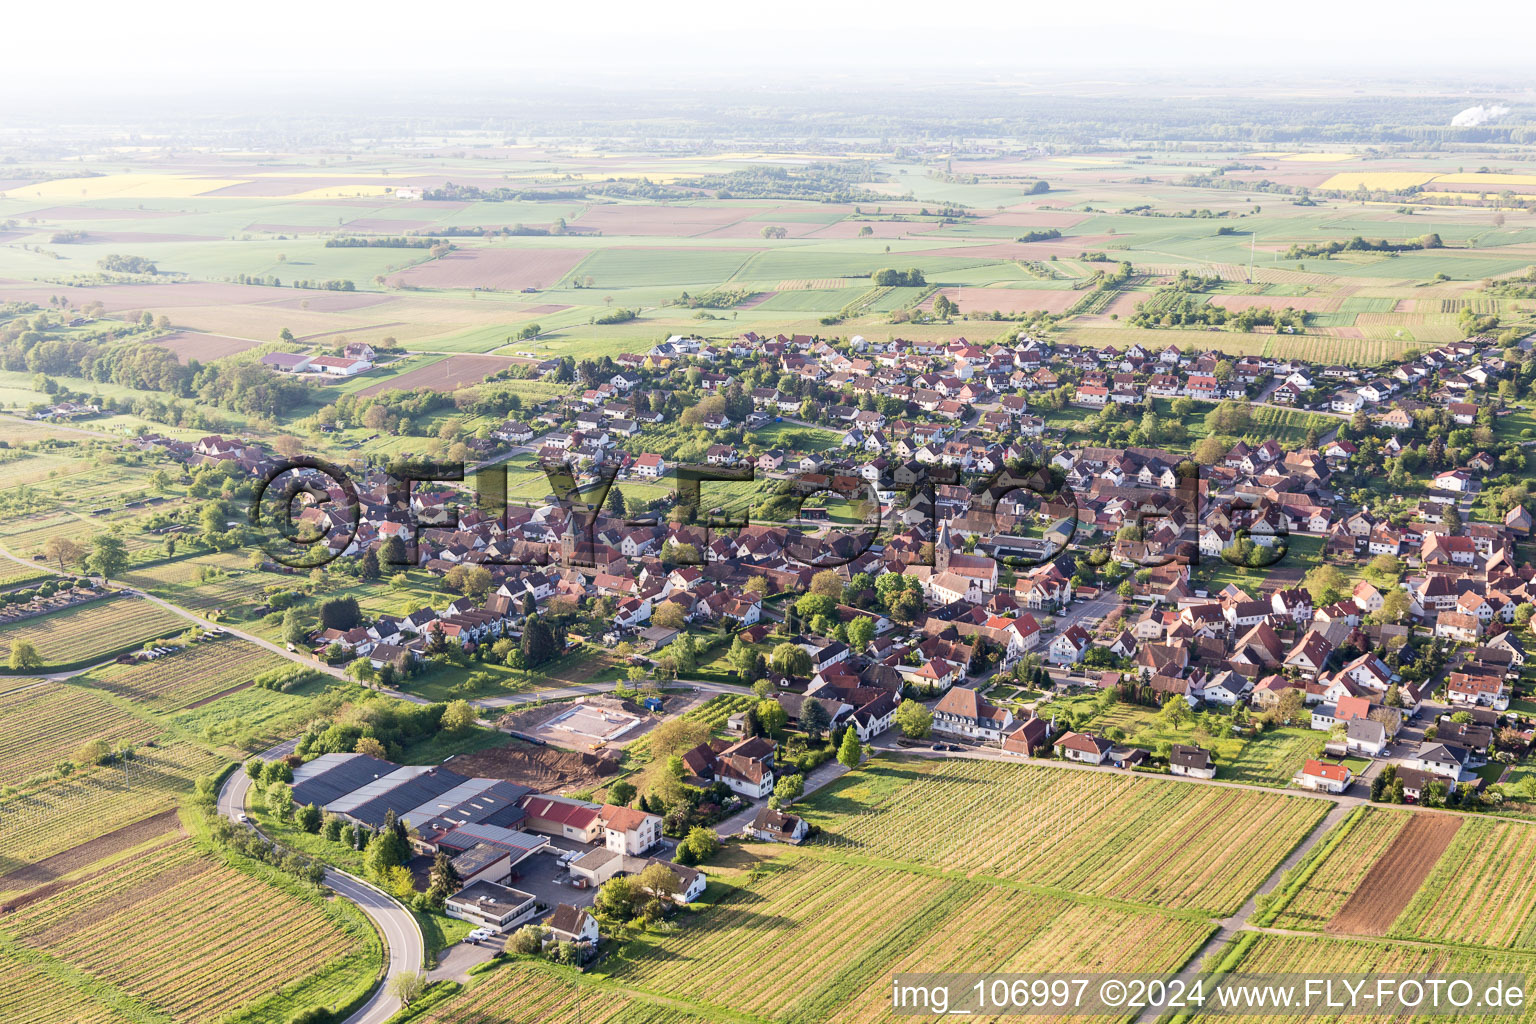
x=311, y=1015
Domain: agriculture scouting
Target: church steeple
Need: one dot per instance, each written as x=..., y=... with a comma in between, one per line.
x=942, y=548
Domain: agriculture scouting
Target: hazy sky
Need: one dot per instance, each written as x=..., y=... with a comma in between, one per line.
x=197, y=46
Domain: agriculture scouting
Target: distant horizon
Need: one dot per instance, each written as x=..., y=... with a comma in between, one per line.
x=174, y=49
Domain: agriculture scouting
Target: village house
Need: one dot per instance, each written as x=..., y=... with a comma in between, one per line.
x=965, y=713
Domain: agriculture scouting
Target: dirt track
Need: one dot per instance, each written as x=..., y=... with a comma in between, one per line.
x=1397, y=874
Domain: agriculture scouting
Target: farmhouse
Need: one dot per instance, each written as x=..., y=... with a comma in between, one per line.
x=572, y=924
x=286, y=362
x=338, y=366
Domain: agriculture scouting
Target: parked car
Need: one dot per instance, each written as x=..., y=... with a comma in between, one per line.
x=242, y=819
x=478, y=934
x=937, y=746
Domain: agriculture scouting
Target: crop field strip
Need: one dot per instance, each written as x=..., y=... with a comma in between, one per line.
x=43, y=724
x=177, y=582
x=179, y=680
x=171, y=900
x=523, y=993
x=1481, y=891
x=1341, y=870
x=1397, y=873
x=65, y=812
x=96, y=629
x=840, y=916
x=30, y=995
x=1148, y=841
x=994, y=929
x=1302, y=954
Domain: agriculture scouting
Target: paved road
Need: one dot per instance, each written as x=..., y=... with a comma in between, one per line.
x=402, y=936
x=1093, y=608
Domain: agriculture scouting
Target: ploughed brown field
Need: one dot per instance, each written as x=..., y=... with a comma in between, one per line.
x=190, y=345
x=448, y=375
x=1389, y=886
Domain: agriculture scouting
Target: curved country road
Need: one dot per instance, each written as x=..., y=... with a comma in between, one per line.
x=401, y=934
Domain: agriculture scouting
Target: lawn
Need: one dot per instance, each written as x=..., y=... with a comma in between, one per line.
x=802, y=440
x=1272, y=757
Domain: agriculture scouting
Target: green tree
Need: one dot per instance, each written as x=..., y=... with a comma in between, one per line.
x=814, y=719
x=851, y=752
x=773, y=717
x=1395, y=605
x=539, y=644
x=527, y=940
x=619, y=899
x=1326, y=584
x=791, y=660
x=458, y=717
x=407, y=986
x=443, y=881
x=809, y=606
x=279, y=800
x=621, y=792
x=787, y=790
x=702, y=843
x=385, y=850
x=308, y=818
x=742, y=658
x=860, y=632
x=108, y=557
x=294, y=630
x=616, y=505
x=914, y=720
x=24, y=656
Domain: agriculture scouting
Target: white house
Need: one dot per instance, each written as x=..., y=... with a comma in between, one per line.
x=572, y=924
x=1068, y=647
x=338, y=366
x=650, y=466
x=964, y=712
x=1323, y=777
x=1084, y=747
x=488, y=905
x=1194, y=762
